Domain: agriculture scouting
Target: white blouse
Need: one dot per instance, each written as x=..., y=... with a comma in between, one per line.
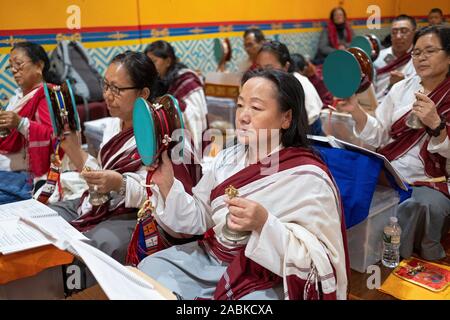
x=313, y=103
x=183, y=213
x=376, y=131
x=16, y=161
x=382, y=81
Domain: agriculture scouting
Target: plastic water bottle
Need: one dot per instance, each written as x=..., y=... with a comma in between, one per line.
x=391, y=243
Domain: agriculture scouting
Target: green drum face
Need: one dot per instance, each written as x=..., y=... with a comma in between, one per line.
x=222, y=50
x=154, y=124
x=341, y=74
x=144, y=131
x=346, y=72
x=218, y=50
x=62, y=108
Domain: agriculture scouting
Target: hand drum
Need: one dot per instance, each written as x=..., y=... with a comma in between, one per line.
x=369, y=43
x=62, y=108
x=222, y=50
x=154, y=125
x=346, y=72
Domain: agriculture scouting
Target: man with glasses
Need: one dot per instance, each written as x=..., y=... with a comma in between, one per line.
x=394, y=63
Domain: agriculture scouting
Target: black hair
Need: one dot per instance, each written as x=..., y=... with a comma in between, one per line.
x=36, y=54
x=279, y=50
x=436, y=10
x=298, y=62
x=141, y=70
x=336, y=9
x=442, y=32
x=406, y=17
x=259, y=35
x=163, y=49
x=290, y=96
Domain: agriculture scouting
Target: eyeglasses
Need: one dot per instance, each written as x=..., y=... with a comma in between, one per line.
x=428, y=52
x=17, y=66
x=116, y=91
x=401, y=31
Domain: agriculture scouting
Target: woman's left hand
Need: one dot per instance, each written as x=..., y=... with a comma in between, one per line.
x=425, y=109
x=105, y=180
x=9, y=120
x=246, y=215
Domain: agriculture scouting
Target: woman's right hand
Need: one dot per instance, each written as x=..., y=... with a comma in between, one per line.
x=163, y=175
x=349, y=105
x=70, y=142
x=352, y=106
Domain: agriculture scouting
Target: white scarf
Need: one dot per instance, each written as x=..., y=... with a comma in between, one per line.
x=315, y=243
x=17, y=102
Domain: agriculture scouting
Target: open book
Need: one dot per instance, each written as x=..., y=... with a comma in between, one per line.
x=341, y=144
x=116, y=280
x=16, y=234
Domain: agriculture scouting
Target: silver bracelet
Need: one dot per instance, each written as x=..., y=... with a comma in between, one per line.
x=123, y=186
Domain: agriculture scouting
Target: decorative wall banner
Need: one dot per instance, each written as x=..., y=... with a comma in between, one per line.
x=106, y=36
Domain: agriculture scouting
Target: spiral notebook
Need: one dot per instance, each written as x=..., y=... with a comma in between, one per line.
x=16, y=234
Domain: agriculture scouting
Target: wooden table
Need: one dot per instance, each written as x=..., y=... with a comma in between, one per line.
x=359, y=289
x=33, y=274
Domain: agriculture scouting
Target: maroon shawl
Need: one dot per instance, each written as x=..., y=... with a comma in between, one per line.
x=127, y=161
x=395, y=64
x=39, y=142
x=183, y=85
x=243, y=275
x=405, y=138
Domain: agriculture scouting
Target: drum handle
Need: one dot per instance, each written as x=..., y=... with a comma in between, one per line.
x=332, y=108
x=148, y=182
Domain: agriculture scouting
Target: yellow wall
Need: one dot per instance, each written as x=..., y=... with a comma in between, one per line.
x=48, y=14
x=421, y=8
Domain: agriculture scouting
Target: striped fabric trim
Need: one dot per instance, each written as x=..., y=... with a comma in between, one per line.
x=121, y=33
x=37, y=144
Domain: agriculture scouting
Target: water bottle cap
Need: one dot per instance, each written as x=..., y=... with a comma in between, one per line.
x=394, y=219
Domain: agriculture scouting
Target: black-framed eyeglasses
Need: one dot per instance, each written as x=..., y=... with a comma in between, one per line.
x=428, y=52
x=116, y=91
